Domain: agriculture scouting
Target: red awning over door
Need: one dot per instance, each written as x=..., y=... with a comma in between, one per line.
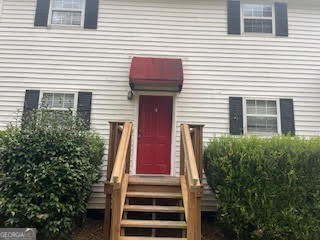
x=156, y=74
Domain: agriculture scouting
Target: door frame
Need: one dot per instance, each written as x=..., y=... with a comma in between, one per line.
x=136, y=125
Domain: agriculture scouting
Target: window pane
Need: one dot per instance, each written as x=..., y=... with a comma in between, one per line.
x=247, y=13
x=267, y=10
x=59, y=17
x=257, y=10
x=262, y=124
x=58, y=100
x=77, y=4
x=58, y=4
x=76, y=18
x=68, y=101
x=271, y=107
x=66, y=18
x=68, y=4
x=258, y=25
x=261, y=107
x=267, y=26
x=247, y=10
x=47, y=100
x=251, y=107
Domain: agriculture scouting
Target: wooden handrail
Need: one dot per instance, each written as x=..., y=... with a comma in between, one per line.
x=191, y=176
x=117, y=177
x=120, y=160
x=189, y=158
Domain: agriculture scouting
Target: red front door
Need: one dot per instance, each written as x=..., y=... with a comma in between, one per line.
x=154, y=135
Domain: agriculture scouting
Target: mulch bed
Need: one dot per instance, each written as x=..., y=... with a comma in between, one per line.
x=91, y=229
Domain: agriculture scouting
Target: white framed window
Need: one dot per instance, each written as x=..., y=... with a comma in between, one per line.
x=257, y=18
x=67, y=12
x=262, y=117
x=59, y=101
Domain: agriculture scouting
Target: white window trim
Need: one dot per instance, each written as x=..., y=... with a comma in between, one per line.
x=83, y=12
x=245, y=115
x=74, y=109
x=242, y=17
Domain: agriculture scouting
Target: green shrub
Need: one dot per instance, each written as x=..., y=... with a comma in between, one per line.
x=267, y=188
x=2, y=133
x=50, y=165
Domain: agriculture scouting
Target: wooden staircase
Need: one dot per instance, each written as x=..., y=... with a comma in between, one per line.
x=151, y=206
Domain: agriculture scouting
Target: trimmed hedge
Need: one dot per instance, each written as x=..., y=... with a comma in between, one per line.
x=268, y=188
x=49, y=165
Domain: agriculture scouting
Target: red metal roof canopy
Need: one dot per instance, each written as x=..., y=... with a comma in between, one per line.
x=156, y=74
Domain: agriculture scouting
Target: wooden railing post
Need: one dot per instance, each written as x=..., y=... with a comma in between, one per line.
x=197, y=141
x=116, y=218
x=107, y=212
x=117, y=177
x=114, y=139
x=194, y=216
x=112, y=151
x=191, y=187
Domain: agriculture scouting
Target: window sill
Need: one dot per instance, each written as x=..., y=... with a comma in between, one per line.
x=69, y=27
x=257, y=35
x=64, y=27
x=254, y=34
x=56, y=26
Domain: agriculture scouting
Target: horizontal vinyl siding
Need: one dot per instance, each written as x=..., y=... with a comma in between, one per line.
x=216, y=65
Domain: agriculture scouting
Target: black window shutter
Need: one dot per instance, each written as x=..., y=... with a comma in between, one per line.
x=287, y=116
x=234, y=20
x=236, y=115
x=31, y=101
x=84, y=107
x=91, y=14
x=42, y=12
x=281, y=17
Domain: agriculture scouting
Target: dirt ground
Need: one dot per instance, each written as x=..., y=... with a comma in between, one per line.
x=92, y=229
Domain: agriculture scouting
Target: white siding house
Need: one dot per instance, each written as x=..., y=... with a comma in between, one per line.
x=216, y=65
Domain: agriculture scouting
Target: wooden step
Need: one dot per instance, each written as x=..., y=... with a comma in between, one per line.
x=169, y=195
x=153, y=188
x=150, y=208
x=154, y=180
x=153, y=224
x=151, y=238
